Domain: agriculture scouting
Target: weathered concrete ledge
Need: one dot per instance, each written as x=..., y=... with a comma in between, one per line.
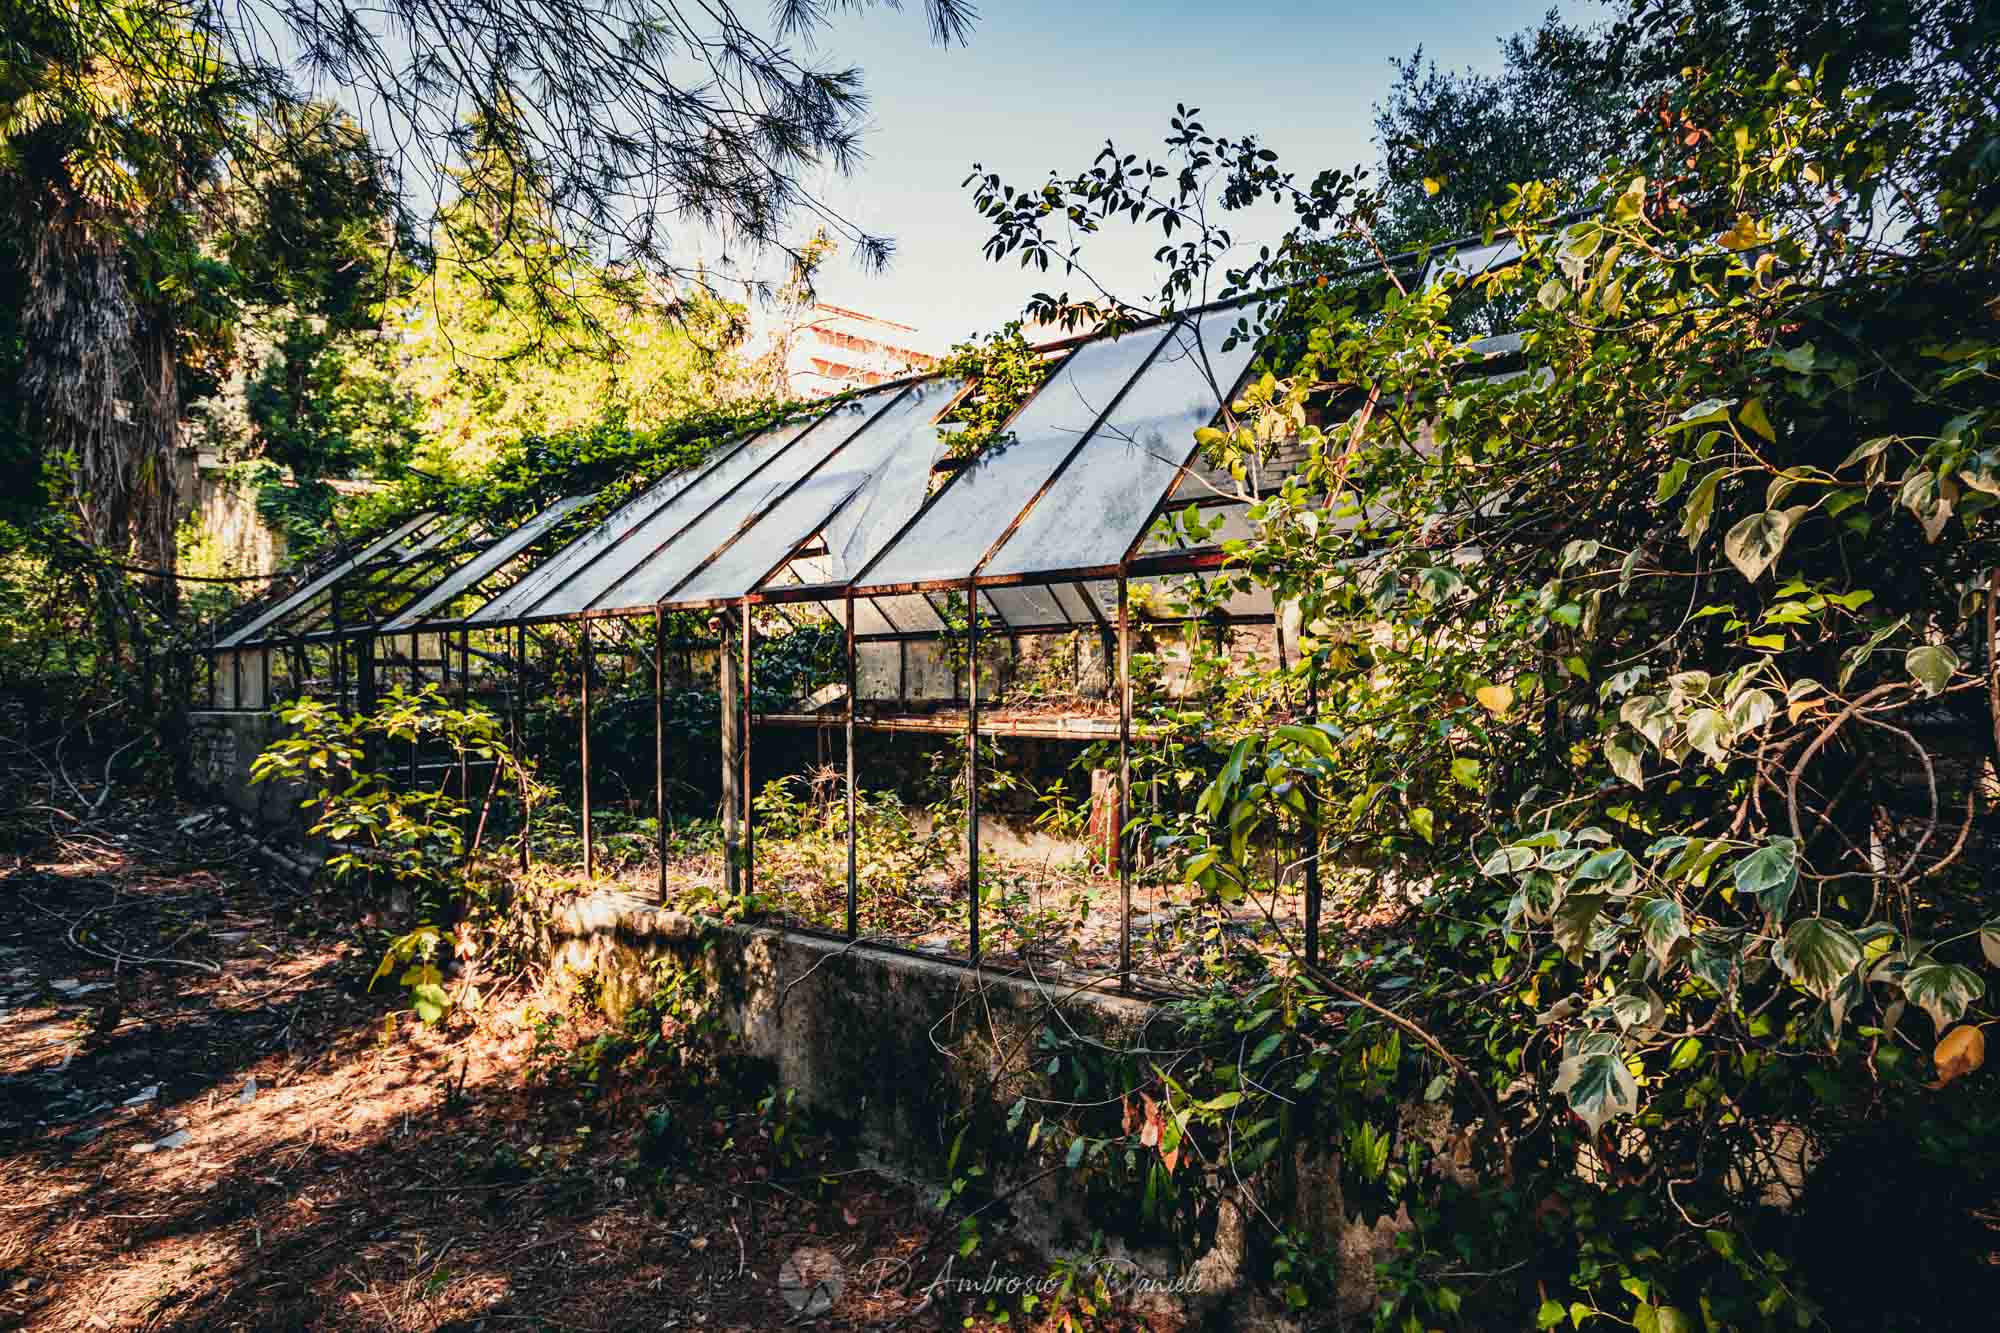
x=908, y=1051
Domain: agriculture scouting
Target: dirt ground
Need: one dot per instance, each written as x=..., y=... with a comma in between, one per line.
x=207, y=1120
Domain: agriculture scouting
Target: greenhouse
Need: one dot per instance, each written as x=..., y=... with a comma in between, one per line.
x=922, y=666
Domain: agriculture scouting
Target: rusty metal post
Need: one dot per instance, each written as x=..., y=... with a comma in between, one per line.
x=518, y=718
x=731, y=696
x=853, y=864
x=1124, y=783
x=748, y=791
x=660, y=741
x=972, y=767
x=583, y=739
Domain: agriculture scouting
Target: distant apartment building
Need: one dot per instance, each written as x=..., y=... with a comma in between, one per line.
x=833, y=349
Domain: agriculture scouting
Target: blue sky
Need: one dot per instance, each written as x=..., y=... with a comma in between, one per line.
x=1044, y=84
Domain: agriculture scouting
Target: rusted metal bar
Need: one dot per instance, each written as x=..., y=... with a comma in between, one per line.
x=518, y=715
x=1312, y=833
x=972, y=770
x=583, y=740
x=730, y=693
x=660, y=741
x=1124, y=784
x=748, y=791
x=853, y=864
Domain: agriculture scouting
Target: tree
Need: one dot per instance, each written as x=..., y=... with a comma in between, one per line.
x=1663, y=668
x=1452, y=142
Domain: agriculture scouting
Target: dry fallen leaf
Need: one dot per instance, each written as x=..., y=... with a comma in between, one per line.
x=1962, y=1051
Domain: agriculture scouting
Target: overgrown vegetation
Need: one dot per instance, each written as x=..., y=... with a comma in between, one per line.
x=1653, y=669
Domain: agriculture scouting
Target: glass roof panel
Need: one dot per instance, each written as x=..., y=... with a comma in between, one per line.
x=722, y=485
x=304, y=596
x=1030, y=606
x=909, y=612
x=579, y=553
x=977, y=505
x=736, y=514
x=1105, y=499
x=884, y=464
x=910, y=447
x=483, y=565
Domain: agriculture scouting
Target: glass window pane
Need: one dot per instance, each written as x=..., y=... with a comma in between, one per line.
x=979, y=503
x=486, y=562
x=733, y=484
x=888, y=448
x=1028, y=607
x=304, y=596
x=1103, y=501
x=518, y=600
x=910, y=447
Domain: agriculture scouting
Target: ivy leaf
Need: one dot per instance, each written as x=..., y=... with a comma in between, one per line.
x=1596, y=1083
x=1700, y=507
x=1670, y=482
x=1818, y=954
x=1465, y=772
x=1627, y=758
x=1759, y=539
x=1507, y=861
x=1424, y=822
x=1751, y=710
x=1752, y=415
x=1663, y=925
x=1603, y=865
x=1932, y=666
x=1769, y=874
x=1708, y=731
x=1942, y=990
x=1962, y=1051
x=1989, y=941
x=1574, y=918
x=1715, y=960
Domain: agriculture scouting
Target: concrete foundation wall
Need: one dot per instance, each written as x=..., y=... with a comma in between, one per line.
x=907, y=1050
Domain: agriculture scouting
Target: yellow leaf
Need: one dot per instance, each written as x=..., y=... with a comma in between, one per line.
x=1747, y=234
x=1752, y=414
x=1432, y=185
x=1495, y=699
x=1962, y=1051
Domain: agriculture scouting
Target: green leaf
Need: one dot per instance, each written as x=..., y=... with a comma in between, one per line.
x=1550, y=1315
x=1769, y=874
x=1989, y=942
x=1507, y=861
x=1663, y=925
x=1602, y=865
x=1596, y=1082
x=1574, y=919
x=1751, y=710
x=1759, y=539
x=1424, y=822
x=1626, y=756
x=429, y=1001
x=1752, y=415
x=1708, y=731
x=1700, y=507
x=1818, y=954
x=1942, y=990
x=1670, y=482
x=1465, y=772
x=1932, y=666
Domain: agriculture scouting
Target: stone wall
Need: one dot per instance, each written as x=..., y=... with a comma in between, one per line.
x=224, y=747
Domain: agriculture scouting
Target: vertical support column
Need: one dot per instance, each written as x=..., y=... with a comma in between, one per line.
x=1124, y=783
x=972, y=766
x=583, y=741
x=1312, y=830
x=660, y=740
x=517, y=723
x=853, y=865
x=264, y=685
x=236, y=666
x=730, y=692
x=416, y=682
x=743, y=749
